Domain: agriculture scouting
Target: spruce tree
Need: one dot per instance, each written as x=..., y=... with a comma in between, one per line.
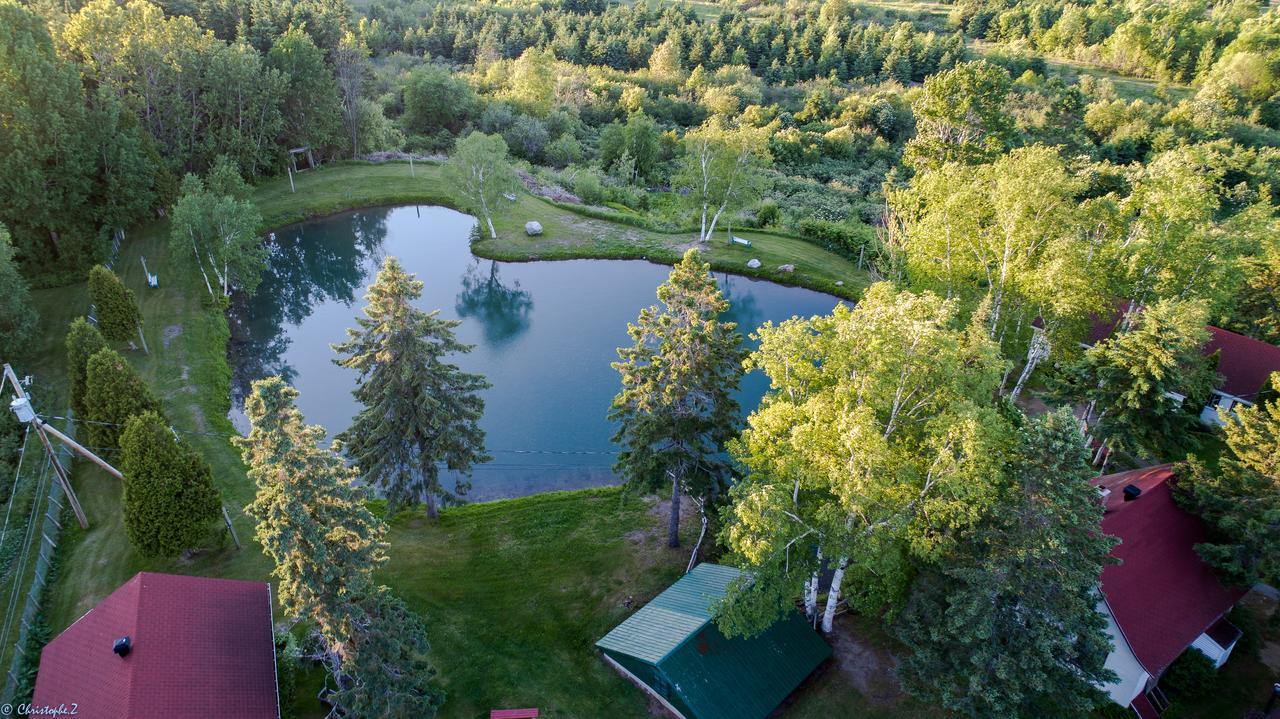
x=114, y=392
x=169, y=497
x=117, y=308
x=388, y=674
x=420, y=411
x=1007, y=625
x=312, y=521
x=676, y=407
x=83, y=341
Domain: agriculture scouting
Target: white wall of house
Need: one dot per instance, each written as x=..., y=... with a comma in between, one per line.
x=1221, y=400
x=1132, y=677
x=1218, y=654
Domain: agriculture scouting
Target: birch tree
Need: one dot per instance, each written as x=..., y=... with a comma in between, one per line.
x=351, y=69
x=676, y=407
x=218, y=229
x=722, y=167
x=874, y=445
x=478, y=170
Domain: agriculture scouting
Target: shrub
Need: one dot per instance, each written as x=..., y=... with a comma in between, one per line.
x=114, y=392
x=847, y=240
x=83, y=341
x=586, y=185
x=1192, y=676
x=118, y=316
x=169, y=498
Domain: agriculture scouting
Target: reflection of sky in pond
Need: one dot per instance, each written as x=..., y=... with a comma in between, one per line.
x=545, y=334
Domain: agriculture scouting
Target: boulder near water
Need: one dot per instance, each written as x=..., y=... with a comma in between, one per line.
x=753, y=263
x=786, y=268
x=533, y=227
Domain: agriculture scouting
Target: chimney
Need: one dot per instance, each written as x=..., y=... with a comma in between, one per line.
x=122, y=646
x=1131, y=492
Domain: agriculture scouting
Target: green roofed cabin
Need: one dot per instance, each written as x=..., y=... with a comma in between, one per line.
x=674, y=651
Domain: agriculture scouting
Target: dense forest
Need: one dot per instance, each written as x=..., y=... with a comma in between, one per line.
x=1002, y=193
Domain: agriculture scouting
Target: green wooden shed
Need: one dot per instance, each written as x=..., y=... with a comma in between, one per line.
x=673, y=650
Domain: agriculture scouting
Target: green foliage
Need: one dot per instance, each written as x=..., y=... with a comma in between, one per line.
x=1150, y=381
x=18, y=318
x=116, y=305
x=114, y=393
x=1240, y=497
x=418, y=410
x=676, y=408
x=217, y=227
x=12, y=434
x=44, y=179
x=169, y=498
x=435, y=100
x=479, y=171
x=989, y=631
x=845, y=239
x=389, y=675
x=630, y=151
x=722, y=169
x=876, y=445
x=311, y=518
x=961, y=116
x=1192, y=676
x=83, y=341
x=311, y=115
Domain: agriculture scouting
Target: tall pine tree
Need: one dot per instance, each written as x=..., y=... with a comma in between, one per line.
x=311, y=518
x=83, y=341
x=117, y=308
x=114, y=392
x=676, y=407
x=420, y=411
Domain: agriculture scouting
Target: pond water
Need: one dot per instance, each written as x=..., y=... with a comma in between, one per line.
x=544, y=334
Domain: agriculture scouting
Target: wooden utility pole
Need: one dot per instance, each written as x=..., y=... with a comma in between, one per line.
x=27, y=415
x=24, y=403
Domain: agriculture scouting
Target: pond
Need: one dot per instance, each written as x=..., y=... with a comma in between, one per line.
x=544, y=334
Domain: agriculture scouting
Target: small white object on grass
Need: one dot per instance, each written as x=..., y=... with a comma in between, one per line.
x=753, y=263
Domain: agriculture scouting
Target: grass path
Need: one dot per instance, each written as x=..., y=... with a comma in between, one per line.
x=514, y=592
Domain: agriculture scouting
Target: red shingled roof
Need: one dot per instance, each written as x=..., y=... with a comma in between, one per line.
x=1245, y=363
x=1162, y=595
x=201, y=648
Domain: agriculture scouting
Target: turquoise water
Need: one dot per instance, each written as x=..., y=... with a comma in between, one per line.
x=544, y=334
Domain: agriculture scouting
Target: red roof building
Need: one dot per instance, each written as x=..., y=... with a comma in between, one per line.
x=1162, y=598
x=1244, y=363
x=196, y=648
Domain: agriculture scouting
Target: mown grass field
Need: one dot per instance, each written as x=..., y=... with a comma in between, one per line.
x=514, y=593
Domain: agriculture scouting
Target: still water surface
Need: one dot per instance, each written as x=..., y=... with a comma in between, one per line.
x=544, y=334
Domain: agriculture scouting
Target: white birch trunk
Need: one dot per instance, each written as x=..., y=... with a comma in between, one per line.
x=811, y=593
x=833, y=595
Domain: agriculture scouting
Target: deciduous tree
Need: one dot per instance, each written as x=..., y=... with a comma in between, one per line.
x=217, y=227
x=722, y=167
x=419, y=410
x=875, y=445
x=961, y=116
x=676, y=408
x=18, y=317
x=169, y=498
x=479, y=171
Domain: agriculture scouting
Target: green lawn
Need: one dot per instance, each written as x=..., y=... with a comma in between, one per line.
x=515, y=592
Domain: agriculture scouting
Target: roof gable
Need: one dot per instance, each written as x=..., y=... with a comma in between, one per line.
x=673, y=616
x=201, y=647
x=1162, y=594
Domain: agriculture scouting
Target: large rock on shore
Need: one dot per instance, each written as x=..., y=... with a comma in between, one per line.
x=533, y=227
x=753, y=263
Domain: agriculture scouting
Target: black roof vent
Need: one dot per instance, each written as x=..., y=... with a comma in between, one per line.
x=1131, y=492
x=122, y=646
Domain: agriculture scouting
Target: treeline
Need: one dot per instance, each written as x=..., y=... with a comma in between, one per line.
x=835, y=40
x=107, y=108
x=1231, y=48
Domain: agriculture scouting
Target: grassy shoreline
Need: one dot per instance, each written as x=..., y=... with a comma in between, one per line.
x=567, y=233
